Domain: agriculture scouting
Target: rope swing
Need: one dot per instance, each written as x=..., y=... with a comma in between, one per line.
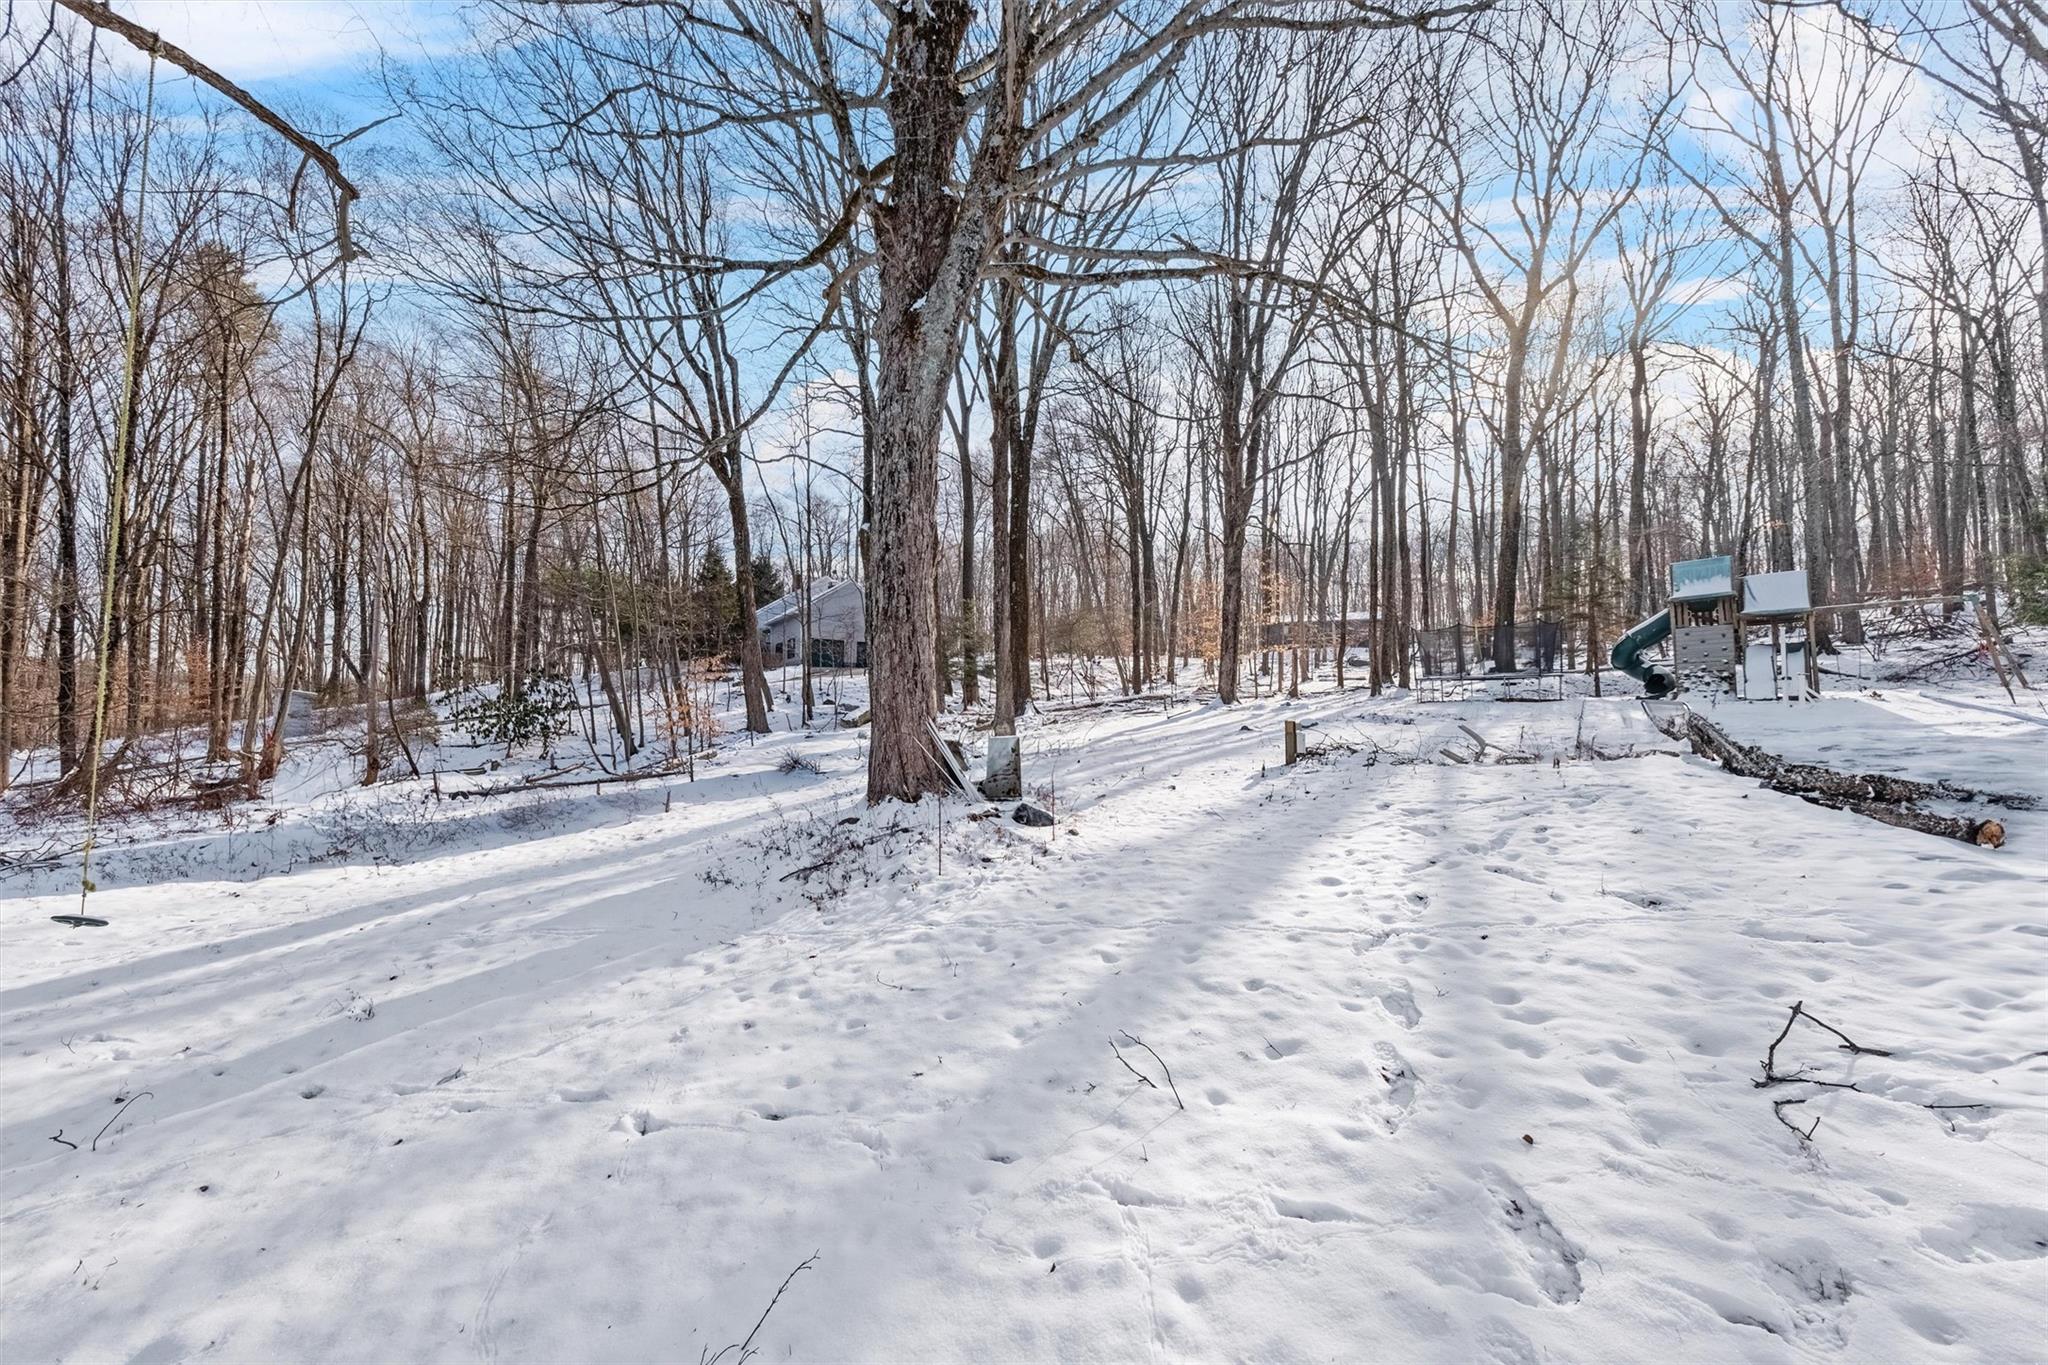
x=123, y=438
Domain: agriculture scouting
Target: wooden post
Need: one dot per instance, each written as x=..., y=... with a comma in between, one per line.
x=1812, y=661
x=1293, y=742
x=2003, y=663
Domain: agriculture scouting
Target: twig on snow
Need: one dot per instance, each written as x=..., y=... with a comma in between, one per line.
x=893, y=986
x=1164, y=1069
x=1128, y=1067
x=1778, y=1107
x=1848, y=1044
x=1773, y=1077
x=65, y=1140
x=141, y=1095
x=1770, y=1063
x=746, y=1348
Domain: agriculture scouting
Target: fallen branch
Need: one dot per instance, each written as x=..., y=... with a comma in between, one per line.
x=1484, y=744
x=839, y=851
x=1874, y=795
x=1772, y=1076
x=893, y=986
x=1770, y=1063
x=530, y=784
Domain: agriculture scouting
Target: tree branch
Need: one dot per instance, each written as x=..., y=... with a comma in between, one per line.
x=101, y=16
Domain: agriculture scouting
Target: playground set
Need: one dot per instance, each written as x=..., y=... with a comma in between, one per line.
x=1752, y=636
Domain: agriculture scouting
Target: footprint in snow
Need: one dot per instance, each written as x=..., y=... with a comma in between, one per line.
x=1553, y=1258
x=1399, y=1003
x=1500, y=1344
x=1990, y=1232
x=1398, y=1081
x=1312, y=1210
x=639, y=1123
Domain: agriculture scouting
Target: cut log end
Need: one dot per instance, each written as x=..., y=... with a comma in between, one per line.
x=1990, y=834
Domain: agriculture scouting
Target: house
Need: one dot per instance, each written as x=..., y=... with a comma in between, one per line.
x=837, y=628
x=1317, y=633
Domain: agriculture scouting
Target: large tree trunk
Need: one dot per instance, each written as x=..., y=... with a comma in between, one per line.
x=903, y=539
x=931, y=248
x=1237, y=456
x=67, y=577
x=970, y=614
x=1514, y=461
x=1002, y=403
x=1803, y=421
x=1237, y=516
x=1639, y=589
x=1019, y=575
x=753, y=675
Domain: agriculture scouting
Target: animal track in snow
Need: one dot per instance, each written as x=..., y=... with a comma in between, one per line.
x=1312, y=1210
x=1553, y=1257
x=1398, y=1081
x=1399, y=1003
x=1814, y=1287
x=639, y=1123
x=1988, y=1232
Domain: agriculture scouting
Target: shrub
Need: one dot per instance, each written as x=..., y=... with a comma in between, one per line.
x=539, y=710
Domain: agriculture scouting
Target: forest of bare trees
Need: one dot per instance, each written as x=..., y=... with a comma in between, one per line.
x=1118, y=332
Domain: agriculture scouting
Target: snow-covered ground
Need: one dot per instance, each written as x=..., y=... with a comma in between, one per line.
x=1439, y=1061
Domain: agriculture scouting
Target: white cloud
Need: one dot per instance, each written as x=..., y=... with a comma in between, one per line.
x=1709, y=289
x=254, y=40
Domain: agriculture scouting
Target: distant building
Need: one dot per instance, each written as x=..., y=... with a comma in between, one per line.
x=838, y=626
x=1320, y=633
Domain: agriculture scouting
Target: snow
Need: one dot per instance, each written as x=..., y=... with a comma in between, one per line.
x=1696, y=580
x=1768, y=594
x=1467, y=1054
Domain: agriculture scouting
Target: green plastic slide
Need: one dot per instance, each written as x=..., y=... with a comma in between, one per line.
x=1629, y=649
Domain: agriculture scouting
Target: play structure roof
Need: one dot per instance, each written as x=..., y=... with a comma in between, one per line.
x=1701, y=580
x=1776, y=594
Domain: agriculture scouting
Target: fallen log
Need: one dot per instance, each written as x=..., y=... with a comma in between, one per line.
x=1890, y=800
x=529, y=785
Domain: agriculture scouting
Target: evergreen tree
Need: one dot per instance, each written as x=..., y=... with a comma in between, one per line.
x=768, y=584
x=714, y=605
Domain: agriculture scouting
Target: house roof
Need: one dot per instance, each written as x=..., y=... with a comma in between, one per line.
x=787, y=605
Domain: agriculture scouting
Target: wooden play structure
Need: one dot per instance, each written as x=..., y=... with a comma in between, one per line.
x=1750, y=636
x=1775, y=625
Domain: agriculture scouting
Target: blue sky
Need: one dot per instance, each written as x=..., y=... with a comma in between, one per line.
x=318, y=52
x=318, y=58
